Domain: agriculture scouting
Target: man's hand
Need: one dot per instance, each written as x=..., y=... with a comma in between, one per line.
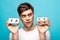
x=12, y=28
x=43, y=28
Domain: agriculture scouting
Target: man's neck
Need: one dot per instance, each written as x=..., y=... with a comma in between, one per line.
x=28, y=28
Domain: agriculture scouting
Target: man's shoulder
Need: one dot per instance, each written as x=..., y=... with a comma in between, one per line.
x=21, y=29
x=47, y=33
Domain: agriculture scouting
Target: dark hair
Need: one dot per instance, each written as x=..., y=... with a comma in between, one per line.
x=23, y=7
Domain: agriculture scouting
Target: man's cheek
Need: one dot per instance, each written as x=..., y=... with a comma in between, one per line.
x=32, y=19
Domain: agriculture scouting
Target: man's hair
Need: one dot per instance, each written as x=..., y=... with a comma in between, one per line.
x=23, y=7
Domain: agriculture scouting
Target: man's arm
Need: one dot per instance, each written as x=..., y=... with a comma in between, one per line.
x=43, y=29
x=13, y=30
x=13, y=36
x=45, y=36
x=42, y=36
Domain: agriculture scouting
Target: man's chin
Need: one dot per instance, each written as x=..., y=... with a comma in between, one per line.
x=28, y=26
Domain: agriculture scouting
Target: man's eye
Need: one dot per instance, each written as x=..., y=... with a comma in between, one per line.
x=23, y=16
x=29, y=14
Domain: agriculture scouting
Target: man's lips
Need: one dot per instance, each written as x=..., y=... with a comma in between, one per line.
x=28, y=22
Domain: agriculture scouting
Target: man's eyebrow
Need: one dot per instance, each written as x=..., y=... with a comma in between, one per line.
x=29, y=13
x=22, y=14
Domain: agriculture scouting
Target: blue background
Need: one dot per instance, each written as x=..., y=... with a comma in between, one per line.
x=48, y=8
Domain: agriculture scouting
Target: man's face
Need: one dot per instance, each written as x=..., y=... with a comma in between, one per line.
x=27, y=17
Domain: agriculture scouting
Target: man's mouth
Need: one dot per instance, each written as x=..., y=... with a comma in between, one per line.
x=28, y=22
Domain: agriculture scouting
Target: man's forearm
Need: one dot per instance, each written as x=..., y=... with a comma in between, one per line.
x=15, y=36
x=42, y=36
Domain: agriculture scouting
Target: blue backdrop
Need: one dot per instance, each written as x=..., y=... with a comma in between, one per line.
x=48, y=8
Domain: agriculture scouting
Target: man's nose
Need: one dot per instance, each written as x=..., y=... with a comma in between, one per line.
x=27, y=18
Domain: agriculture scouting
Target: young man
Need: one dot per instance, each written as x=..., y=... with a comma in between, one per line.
x=28, y=32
